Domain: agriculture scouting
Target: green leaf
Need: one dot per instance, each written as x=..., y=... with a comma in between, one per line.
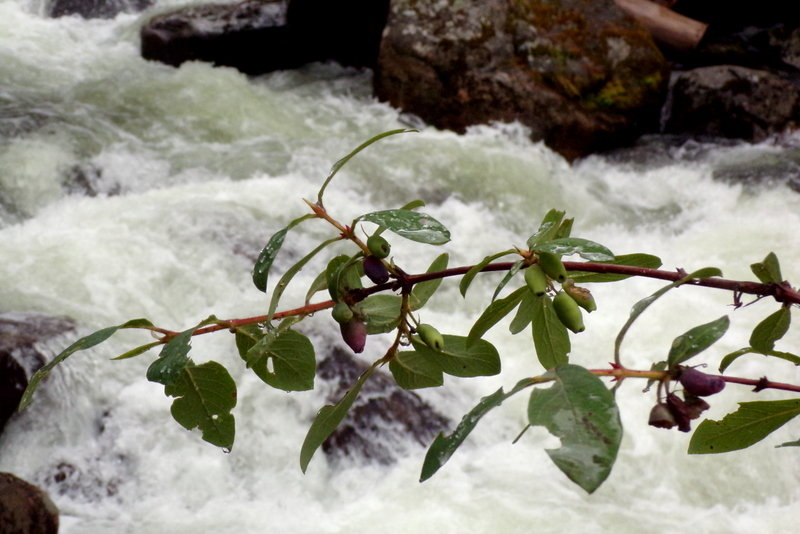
x=206, y=394
x=382, y=313
x=512, y=272
x=789, y=444
x=696, y=340
x=173, y=358
x=270, y=251
x=550, y=337
x=580, y=410
x=769, y=270
x=412, y=370
x=137, y=351
x=524, y=313
x=642, y=305
x=646, y=261
x=565, y=228
x=336, y=275
x=412, y=225
x=733, y=356
x=83, y=343
x=328, y=419
x=460, y=359
x=470, y=275
x=443, y=446
x=280, y=287
x=320, y=283
x=291, y=358
x=424, y=290
x=770, y=330
x=341, y=163
x=548, y=229
x=586, y=249
x=751, y=423
x=494, y=312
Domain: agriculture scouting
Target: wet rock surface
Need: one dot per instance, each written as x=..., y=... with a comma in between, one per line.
x=96, y=9
x=25, y=508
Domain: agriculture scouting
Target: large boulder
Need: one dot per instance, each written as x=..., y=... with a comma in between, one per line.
x=23, y=338
x=383, y=421
x=580, y=74
x=24, y=508
x=258, y=36
x=732, y=101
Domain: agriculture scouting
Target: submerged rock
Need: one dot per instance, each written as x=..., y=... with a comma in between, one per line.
x=732, y=101
x=21, y=353
x=96, y=9
x=384, y=419
x=25, y=508
x=580, y=74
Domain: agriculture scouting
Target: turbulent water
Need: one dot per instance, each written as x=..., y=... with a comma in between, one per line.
x=132, y=189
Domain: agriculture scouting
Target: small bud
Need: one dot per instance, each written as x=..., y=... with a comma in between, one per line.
x=552, y=266
x=354, y=333
x=431, y=337
x=536, y=279
x=568, y=312
x=661, y=416
x=341, y=312
x=700, y=384
x=582, y=296
x=378, y=246
x=375, y=270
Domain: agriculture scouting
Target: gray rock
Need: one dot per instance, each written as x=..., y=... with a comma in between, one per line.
x=96, y=9
x=580, y=74
x=25, y=508
x=732, y=101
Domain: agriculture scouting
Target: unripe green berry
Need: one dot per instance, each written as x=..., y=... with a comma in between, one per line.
x=431, y=337
x=378, y=246
x=552, y=266
x=536, y=280
x=341, y=312
x=582, y=296
x=568, y=312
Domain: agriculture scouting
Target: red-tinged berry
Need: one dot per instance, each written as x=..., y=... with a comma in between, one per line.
x=354, y=333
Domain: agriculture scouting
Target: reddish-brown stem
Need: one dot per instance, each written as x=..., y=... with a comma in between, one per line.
x=759, y=384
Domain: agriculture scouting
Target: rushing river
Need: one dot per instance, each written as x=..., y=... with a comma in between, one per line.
x=133, y=189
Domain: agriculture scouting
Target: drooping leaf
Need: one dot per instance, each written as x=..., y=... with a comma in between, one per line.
x=206, y=394
x=646, y=261
x=340, y=274
x=320, y=283
x=412, y=225
x=461, y=359
x=512, y=272
x=443, y=446
x=789, y=444
x=341, y=163
x=524, y=313
x=733, y=356
x=382, y=313
x=696, y=340
x=137, y=351
x=580, y=410
x=470, y=275
x=769, y=270
x=770, y=330
x=548, y=229
x=424, y=290
x=494, y=313
x=83, y=343
x=166, y=369
x=586, y=249
x=328, y=419
x=642, y=305
x=550, y=337
x=751, y=423
x=287, y=362
x=412, y=370
x=270, y=252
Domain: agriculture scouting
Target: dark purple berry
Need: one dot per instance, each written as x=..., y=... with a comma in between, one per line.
x=375, y=270
x=354, y=333
x=679, y=411
x=700, y=384
x=661, y=416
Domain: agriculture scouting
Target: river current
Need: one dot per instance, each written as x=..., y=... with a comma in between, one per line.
x=132, y=189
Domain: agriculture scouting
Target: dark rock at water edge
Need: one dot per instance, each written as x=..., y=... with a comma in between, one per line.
x=25, y=508
x=732, y=101
x=580, y=74
x=21, y=353
x=258, y=36
x=96, y=9
x=384, y=419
